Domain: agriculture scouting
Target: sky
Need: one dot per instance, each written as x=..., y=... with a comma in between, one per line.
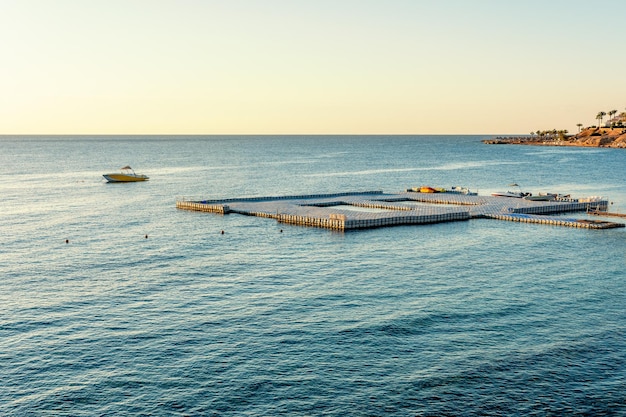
x=309, y=67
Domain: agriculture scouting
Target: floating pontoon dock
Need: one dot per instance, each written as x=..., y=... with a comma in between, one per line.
x=358, y=210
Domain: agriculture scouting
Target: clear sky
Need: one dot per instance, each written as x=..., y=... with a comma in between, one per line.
x=309, y=67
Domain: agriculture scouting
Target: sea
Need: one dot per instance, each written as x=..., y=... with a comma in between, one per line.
x=115, y=303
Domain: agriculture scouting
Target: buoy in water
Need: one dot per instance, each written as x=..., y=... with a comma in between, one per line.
x=222, y=232
x=67, y=241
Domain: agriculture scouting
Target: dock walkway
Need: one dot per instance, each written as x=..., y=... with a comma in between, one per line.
x=367, y=209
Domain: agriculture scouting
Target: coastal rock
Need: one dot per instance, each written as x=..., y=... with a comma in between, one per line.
x=599, y=137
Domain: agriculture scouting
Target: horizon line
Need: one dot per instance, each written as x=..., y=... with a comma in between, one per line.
x=260, y=134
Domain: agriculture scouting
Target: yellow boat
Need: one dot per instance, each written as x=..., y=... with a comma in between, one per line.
x=126, y=175
x=426, y=189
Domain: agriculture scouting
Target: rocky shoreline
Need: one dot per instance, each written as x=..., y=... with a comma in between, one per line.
x=590, y=137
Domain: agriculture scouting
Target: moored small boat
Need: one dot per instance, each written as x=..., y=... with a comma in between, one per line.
x=426, y=189
x=541, y=197
x=513, y=194
x=126, y=175
x=461, y=190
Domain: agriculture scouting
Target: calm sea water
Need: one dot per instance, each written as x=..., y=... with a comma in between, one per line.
x=469, y=318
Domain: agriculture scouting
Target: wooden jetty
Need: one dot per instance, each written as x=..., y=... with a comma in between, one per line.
x=368, y=209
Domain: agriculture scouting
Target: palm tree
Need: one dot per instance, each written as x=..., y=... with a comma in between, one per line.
x=579, y=126
x=611, y=113
x=600, y=116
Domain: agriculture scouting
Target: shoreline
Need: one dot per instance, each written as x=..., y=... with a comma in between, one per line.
x=588, y=138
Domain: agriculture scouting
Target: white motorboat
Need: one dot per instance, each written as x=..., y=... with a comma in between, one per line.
x=126, y=175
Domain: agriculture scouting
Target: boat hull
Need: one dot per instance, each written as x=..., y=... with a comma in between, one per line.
x=125, y=177
x=426, y=189
x=544, y=197
x=507, y=194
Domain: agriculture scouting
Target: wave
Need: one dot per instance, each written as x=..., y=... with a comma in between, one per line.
x=445, y=167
